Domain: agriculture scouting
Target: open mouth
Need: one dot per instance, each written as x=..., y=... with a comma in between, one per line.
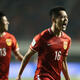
x=64, y=26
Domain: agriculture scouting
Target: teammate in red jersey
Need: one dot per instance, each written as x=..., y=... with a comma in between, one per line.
x=8, y=43
x=52, y=46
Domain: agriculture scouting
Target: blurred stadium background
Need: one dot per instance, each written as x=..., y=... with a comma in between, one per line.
x=29, y=17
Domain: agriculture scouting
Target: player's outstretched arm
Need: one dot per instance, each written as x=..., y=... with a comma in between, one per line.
x=24, y=62
x=65, y=69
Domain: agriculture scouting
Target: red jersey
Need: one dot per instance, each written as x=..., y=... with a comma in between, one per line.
x=51, y=50
x=8, y=43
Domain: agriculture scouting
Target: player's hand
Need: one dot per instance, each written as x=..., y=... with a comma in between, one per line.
x=18, y=78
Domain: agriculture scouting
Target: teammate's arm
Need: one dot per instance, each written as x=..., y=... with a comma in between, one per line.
x=65, y=68
x=25, y=61
x=18, y=55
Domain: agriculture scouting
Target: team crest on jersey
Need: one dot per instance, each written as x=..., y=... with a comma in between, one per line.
x=65, y=45
x=8, y=42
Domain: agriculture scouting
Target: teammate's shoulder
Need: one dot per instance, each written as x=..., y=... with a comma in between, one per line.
x=9, y=34
x=67, y=36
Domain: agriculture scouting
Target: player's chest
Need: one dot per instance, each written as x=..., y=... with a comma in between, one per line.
x=57, y=43
x=5, y=42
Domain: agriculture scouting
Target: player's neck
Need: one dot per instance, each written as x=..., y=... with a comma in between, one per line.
x=56, y=32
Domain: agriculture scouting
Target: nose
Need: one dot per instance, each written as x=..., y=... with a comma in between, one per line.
x=66, y=19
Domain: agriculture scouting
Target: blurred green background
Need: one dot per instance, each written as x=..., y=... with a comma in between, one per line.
x=29, y=17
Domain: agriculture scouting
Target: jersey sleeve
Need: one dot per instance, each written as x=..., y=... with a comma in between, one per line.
x=15, y=46
x=67, y=50
x=36, y=43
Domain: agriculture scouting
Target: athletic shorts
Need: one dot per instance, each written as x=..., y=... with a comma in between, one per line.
x=38, y=77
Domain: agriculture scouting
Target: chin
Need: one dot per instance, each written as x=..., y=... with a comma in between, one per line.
x=64, y=28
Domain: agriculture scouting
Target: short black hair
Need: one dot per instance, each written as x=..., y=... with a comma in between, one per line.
x=55, y=11
x=1, y=14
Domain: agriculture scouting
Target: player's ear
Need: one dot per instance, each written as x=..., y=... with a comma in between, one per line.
x=53, y=19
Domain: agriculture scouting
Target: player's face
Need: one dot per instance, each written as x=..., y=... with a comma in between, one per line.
x=62, y=21
x=4, y=24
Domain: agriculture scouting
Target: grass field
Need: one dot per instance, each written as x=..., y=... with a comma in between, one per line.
x=32, y=79
x=74, y=71
x=22, y=79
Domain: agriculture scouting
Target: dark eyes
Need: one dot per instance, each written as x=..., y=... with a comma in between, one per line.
x=64, y=17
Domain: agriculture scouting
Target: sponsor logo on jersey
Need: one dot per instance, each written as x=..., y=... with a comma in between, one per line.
x=65, y=45
x=8, y=42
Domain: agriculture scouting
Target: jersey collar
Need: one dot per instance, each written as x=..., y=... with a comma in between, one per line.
x=52, y=33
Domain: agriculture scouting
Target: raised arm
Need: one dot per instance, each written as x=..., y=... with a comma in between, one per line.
x=24, y=62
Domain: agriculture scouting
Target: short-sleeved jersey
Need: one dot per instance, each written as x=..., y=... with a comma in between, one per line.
x=8, y=43
x=51, y=50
